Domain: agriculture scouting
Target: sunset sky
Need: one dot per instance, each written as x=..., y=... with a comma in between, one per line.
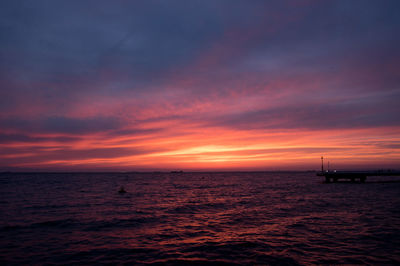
x=199, y=85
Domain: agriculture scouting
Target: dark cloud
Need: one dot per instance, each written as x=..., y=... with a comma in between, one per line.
x=10, y=138
x=37, y=155
x=95, y=153
x=46, y=38
x=60, y=124
x=135, y=132
x=356, y=113
x=57, y=51
x=393, y=145
x=147, y=39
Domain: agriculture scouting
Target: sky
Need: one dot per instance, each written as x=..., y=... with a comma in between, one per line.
x=199, y=85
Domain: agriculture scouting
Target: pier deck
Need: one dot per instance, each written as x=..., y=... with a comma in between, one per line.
x=353, y=176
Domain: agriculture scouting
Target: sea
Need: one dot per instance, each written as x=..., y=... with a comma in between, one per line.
x=200, y=218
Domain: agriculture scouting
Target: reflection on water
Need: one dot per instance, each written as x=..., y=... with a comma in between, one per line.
x=187, y=218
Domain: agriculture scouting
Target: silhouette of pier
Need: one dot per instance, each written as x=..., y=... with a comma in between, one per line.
x=354, y=176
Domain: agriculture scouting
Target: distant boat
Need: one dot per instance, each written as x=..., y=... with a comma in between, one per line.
x=176, y=172
x=122, y=190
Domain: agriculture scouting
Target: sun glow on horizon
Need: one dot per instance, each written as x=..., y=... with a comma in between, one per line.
x=229, y=149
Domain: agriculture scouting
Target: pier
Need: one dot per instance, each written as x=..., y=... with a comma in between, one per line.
x=354, y=176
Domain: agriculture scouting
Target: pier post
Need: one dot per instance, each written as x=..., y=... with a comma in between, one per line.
x=322, y=164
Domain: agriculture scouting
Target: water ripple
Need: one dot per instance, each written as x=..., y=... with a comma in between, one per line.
x=196, y=219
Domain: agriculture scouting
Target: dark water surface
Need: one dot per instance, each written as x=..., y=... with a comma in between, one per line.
x=196, y=218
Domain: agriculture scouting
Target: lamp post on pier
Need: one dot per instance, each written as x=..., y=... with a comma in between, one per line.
x=322, y=163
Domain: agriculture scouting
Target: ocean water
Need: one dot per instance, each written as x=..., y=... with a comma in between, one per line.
x=196, y=219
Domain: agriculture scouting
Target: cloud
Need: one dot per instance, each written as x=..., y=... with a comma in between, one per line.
x=16, y=137
x=365, y=112
x=46, y=156
x=60, y=124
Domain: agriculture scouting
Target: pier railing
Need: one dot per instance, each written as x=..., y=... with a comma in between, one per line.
x=353, y=176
